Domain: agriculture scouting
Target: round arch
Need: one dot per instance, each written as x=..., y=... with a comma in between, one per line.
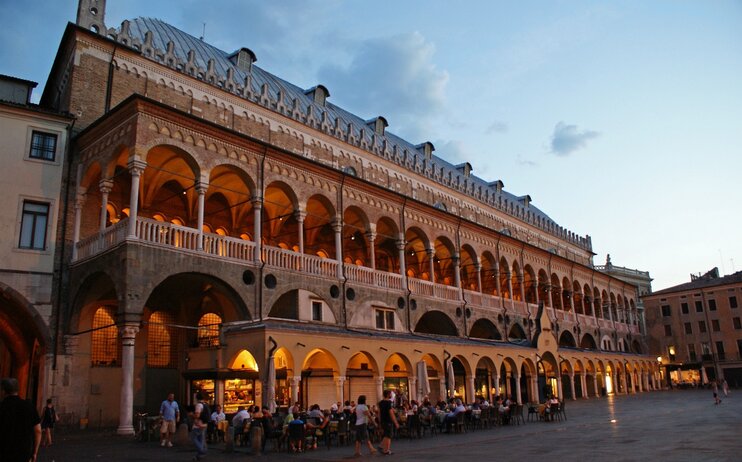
x=436, y=322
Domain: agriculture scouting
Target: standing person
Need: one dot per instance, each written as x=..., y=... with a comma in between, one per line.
x=169, y=413
x=387, y=420
x=201, y=418
x=362, y=415
x=725, y=387
x=47, y=423
x=715, y=389
x=20, y=425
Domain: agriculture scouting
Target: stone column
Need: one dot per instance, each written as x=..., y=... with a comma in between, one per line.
x=337, y=226
x=522, y=281
x=79, y=203
x=470, y=391
x=497, y=281
x=639, y=381
x=572, y=386
x=300, y=216
x=534, y=387
x=583, y=383
x=379, y=388
x=510, y=291
x=535, y=291
x=443, y=392
x=105, y=188
x=128, y=334
x=431, y=263
x=478, y=268
x=616, y=387
x=339, y=390
x=560, y=392
x=412, y=389
x=402, y=265
x=136, y=167
x=518, y=398
x=496, y=381
x=219, y=392
x=595, y=384
x=257, y=207
x=550, y=298
x=294, y=383
x=201, y=191
x=371, y=236
x=456, y=270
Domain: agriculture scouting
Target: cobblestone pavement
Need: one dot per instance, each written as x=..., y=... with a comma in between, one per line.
x=668, y=425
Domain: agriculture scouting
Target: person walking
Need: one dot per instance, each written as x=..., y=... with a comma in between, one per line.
x=201, y=418
x=20, y=425
x=48, y=419
x=361, y=426
x=725, y=387
x=715, y=389
x=388, y=422
x=169, y=413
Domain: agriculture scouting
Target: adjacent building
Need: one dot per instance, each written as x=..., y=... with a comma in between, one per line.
x=33, y=155
x=231, y=233
x=695, y=329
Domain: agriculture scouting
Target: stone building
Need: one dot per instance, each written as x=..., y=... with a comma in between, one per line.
x=640, y=279
x=235, y=234
x=696, y=329
x=33, y=157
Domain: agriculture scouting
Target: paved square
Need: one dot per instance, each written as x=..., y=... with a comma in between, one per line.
x=670, y=425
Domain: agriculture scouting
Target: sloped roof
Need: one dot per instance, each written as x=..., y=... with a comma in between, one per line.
x=701, y=283
x=164, y=33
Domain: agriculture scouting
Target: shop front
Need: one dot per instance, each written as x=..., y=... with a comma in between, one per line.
x=230, y=388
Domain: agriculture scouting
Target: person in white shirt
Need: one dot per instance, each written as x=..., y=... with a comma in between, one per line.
x=362, y=417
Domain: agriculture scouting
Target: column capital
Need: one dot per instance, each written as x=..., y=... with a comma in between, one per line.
x=379, y=380
x=201, y=187
x=340, y=379
x=136, y=166
x=400, y=244
x=300, y=215
x=430, y=252
x=337, y=225
x=257, y=202
x=129, y=331
x=105, y=185
x=295, y=380
x=371, y=236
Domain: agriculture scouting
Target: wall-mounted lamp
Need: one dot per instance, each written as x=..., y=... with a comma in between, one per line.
x=418, y=351
x=345, y=347
x=383, y=349
x=300, y=344
x=475, y=354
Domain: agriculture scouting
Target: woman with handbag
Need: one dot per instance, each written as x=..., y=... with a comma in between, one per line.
x=48, y=419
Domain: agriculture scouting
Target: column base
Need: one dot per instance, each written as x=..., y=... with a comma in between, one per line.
x=125, y=430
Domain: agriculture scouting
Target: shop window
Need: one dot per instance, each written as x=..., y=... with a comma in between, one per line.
x=105, y=347
x=161, y=347
x=208, y=330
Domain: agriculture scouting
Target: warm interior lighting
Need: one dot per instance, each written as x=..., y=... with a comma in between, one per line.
x=672, y=350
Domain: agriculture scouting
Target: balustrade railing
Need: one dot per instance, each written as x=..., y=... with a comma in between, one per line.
x=101, y=242
x=371, y=277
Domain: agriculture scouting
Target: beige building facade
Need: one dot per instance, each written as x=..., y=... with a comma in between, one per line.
x=237, y=235
x=33, y=153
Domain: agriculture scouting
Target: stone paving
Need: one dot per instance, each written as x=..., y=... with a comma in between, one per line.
x=668, y=425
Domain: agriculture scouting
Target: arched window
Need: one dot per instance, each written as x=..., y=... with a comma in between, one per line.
x=208, y=330
x=161, y=347
x=104, y=349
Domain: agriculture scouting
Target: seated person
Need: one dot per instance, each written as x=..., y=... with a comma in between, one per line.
x=216, y=427
x=451, y=417
x=315, y=412
x=238, y=422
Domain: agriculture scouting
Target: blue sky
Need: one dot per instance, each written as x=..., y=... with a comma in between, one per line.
x=622, y=120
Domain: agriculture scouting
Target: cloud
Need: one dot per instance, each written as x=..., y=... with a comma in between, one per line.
x=568, y=139
x=527, y=162
x=390, y=76
x=453, y=151
x=497, y=126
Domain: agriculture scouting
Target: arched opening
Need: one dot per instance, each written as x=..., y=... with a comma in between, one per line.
x=355, y=240
x=516, y=278
x=386, y=252
x=302, y=305
x=505, y=279
x=484, y=386
x=436, y=322
x=360, y=376
x=567, y=340
x=517, y=334
x=396, y=377
x=318, y=383
x=485, y=329
x=489, y=274
x=547, y=376
x=319, y=233
x=529, y=283
x=443, y=262
x=278, y=220
x=459, y=374
x=417, y=257
x=468, y=266
x=588, y=342
x=544, y=285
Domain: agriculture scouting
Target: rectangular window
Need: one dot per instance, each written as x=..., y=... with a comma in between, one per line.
x=706, y=352
x=668, y=330
x=733, y=302
x=702, y=326
x=699, y=306
x=33, y=225
x=691, y=352
x=720, y=350
x=688, y=328
x=316, y=310
x=712, y=305
x=739, y=347
x=737, y=323
x=715, y=325
x=666, y=311
x=684, y=307
x=385, y=319
x=43, y=145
